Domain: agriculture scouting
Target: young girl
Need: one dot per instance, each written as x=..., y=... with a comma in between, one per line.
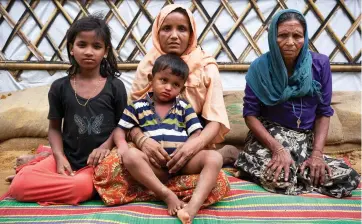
x=84, y=108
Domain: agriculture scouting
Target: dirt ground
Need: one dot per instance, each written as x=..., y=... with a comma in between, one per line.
x=11, y=149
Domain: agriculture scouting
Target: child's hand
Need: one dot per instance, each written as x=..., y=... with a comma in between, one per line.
x=97, y=156
x=63, y=166
x=183, y=154
x=155, y=152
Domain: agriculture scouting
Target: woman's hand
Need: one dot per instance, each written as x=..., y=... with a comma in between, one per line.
x=281, y=159
x=63, y=166
x=97, y=156
x=155, y=152
x=317, y=167
x=184, y=153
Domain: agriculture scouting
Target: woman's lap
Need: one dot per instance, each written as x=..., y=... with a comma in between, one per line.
x=252, y=162
x=116, y=186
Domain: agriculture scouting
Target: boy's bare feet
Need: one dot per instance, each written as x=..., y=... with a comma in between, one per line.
x=186, y=215
x=229, y=154
x=173, y=203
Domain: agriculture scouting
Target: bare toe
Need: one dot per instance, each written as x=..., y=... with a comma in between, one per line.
x=184, y=216
x=24, y=159
x=9, y=178
x=172, y=201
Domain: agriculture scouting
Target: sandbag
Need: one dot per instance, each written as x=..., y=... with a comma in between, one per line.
x=239, y=130
x=348, y=107
x=24, y=113
x=234, y=108
x=335, y=131
x=342, y=148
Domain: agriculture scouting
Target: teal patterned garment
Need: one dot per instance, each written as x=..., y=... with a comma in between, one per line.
x=268, y=77
x=253, y=160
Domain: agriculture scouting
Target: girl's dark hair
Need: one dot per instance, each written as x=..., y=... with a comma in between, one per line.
x=292, y=16
x=175, y=63
x=93, y=23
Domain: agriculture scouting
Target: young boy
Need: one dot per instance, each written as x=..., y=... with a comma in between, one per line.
x=171, y=121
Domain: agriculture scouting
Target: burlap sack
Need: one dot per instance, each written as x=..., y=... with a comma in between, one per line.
x=347, y=105
x=342, y=148
x=24, y=113
x=234, y=107
x=239, y=130
x=335, y=131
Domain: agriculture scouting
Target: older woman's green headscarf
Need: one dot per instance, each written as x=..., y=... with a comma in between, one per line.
x=268, y=77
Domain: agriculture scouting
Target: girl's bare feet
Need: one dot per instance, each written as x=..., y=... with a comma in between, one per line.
x=21, y=160
x=173, y=203
x=229, y=154
x=9, y=178
x=186, y=215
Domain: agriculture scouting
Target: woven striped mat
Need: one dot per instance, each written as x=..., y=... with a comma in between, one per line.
x=246, y=203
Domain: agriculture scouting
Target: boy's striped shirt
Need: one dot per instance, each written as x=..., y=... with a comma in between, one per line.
x=180, y=122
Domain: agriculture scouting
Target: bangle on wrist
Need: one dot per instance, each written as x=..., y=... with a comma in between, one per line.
x=140, y=140
x=133, y=136
x=279, y=150
x=143, y=140
x=136, y=139
x=316, y=157
x=317, y=150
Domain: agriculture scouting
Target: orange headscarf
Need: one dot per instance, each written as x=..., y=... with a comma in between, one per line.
x=197, y=60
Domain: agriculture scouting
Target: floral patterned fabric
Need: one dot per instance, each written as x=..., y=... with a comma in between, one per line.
x=116, y=186
x=253, y=160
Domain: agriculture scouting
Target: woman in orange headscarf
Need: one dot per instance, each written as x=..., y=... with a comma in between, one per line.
x=174, y=31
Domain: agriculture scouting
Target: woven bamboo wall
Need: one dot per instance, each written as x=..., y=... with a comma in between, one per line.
x=35, y=58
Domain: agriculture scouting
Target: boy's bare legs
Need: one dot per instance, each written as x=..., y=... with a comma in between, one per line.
x=138, y=165
x=208, y=163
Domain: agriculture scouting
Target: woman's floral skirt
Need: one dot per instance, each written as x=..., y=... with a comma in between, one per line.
x=253, y=160
x=116, y=186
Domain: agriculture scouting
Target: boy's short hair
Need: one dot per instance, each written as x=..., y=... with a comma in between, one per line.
x=175, y=63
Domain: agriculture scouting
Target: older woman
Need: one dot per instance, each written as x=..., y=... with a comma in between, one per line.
x=287, y=109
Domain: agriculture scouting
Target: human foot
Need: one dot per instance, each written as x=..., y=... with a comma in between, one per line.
x=173, y=203
x=9, y=178
x=21, y=160
x=185, y=215
x=229, y=153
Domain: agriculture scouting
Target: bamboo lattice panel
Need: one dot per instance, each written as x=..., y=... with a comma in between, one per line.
x=34, y=57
